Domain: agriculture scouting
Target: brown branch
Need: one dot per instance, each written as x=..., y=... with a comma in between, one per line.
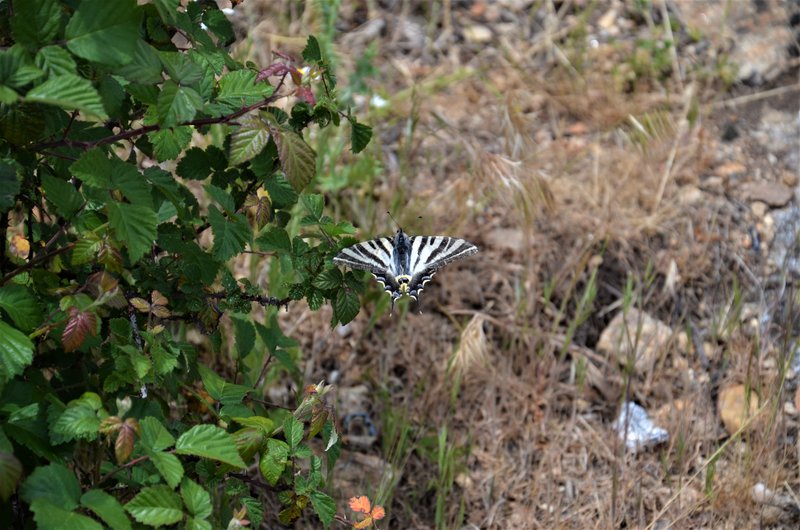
x=123, y=466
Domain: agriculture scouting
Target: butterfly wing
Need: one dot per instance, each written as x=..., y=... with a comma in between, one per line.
x=431, y=253
x=375, y=256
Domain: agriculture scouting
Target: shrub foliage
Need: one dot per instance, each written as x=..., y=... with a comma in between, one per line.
x=137, y=159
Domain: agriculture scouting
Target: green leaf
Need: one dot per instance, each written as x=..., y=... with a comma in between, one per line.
x=103, y=32
x=293, y=431
x=196, y=499
x=55, y=61
x=48, y=516
x=69, y=92
x=239, y=88
x=156, y=506
x=280, y=191
x=230, y=235
x=10, y=472
x=16, y=352
x=324, y=507
x=35, y=22
x=167, y=10
x=107, y=508
x=328, y=279
x=298, y=159
x=94, y=168
x=9, y=186
x=169, y=466
x=155, y=436
x=209, y=441
x=273, y=460
x=314, y=204
x=248, y=139
x=169, y=143
x=21, y=306
x=63, y=195
x=53, y=483
x=312, y=53
x=221, y=197
x=181, y=68
x=360, y=135
x=197, y=524
x=135, y=227
x=79, y=420
x=275, y=239
x=198, y=164
x=145, y=67
x=346, y=306
x=126, y=178
x=177, y=104
x=245, y=336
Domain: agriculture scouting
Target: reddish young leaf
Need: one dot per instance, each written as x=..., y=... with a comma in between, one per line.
x=78, y=325
x=378, y=513
x=110, y=425
x=305, y=93
x=123, y=447
x=273, y=69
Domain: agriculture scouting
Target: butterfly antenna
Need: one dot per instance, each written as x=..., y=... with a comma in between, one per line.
x=393, y=219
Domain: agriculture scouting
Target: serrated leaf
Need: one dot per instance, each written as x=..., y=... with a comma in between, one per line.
x=10, y=472
x=69, y=92
x=145, y=67
x=51, y=517
x=94, y=168
x=169, y=467
x=230, y=235
x=275, y=239
x=221, y=197
x=169, y=143
x=123, y=446
x=16, y=352
x=298, y=159
x=196, y=498
x=312, y=53
x=79, y=325
x=21, y=305
x=197, y=164
x=239, y=89
x=209, y=441
x=104, y=33
x=245, y=336
x=107, y=508
x=53, y=483
x=77, y=421
x=315, y=299
x=66, y=198
x=177, y=104
x=314, y=203
x=346, y=306
x=280, y=191
x=155, y=436
x=248, y=139
x=55, y=61
x=156, y=506
x=293, y=431
x=167, y=9
x=35, y=22
x=181, y=68
x=197, y=524
x=273, y=460
x=324, y=506
x=135, y=227
x=360, y=135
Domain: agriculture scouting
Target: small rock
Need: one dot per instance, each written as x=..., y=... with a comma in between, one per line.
x=774, y=194
x=789, y=178
x=477, y=34
x=650, y=336
x=759, y=208
x=689, y=195
x=608, y=19
x=732, y=406
x=577, y=129
x=761, y=55
x=730, y=169
x=511, y=239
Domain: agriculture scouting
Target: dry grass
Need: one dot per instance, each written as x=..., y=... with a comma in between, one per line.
x=573, y=183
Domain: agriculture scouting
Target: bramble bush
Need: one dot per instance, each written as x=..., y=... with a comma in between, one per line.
x=109, y=417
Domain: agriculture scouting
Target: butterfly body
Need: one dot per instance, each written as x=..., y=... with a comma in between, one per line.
x=404, y=264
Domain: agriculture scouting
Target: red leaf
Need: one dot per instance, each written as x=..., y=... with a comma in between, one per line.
x=305, y=93
x=78, y=325
x=273, y=69
x=123, y=447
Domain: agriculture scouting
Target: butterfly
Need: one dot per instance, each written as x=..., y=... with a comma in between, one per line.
x=404, y=265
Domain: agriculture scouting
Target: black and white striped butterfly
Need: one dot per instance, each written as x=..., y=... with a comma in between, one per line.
x=404, y=265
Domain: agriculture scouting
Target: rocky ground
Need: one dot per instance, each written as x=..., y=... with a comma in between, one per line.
x=622, y=351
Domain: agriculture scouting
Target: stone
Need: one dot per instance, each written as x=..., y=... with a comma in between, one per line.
x=774, y=194
x=650, y=338
x=733, y=408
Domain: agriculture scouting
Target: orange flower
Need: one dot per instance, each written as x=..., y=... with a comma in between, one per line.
x=362, y=505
